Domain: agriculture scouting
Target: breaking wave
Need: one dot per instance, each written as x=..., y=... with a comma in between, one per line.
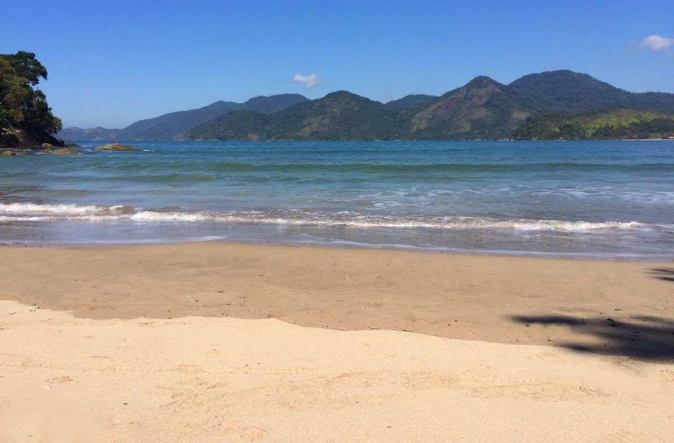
x=31, y=212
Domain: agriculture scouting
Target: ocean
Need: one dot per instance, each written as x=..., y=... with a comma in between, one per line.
x=574, y=199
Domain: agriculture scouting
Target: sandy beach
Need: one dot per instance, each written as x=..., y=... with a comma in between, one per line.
x=213, y=342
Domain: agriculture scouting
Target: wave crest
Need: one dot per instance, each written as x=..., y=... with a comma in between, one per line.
x=32, y=212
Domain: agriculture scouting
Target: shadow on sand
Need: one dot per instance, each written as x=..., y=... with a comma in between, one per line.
x=666, y=274
x=646, y=338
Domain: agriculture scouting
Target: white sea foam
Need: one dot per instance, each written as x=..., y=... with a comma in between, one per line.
x=92, y=213
x=5, y=218
x=32, y=208
x=150, y=216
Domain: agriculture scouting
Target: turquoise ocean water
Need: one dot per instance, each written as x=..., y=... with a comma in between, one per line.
x=594, y=199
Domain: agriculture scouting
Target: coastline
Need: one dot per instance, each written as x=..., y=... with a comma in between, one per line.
x=592, y=200
x=662, y=259
x=489, y=297
x=221, y=342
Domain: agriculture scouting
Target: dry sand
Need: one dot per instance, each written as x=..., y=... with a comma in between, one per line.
x=88, y=352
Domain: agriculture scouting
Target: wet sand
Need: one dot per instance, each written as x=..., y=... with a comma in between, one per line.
x=489, y=298
x=220, y=342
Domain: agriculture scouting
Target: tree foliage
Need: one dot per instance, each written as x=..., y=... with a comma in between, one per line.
x=27, y=66
x=615, y=124
x=20, y=104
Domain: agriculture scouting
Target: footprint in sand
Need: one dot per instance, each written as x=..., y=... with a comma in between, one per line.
x=59, y=380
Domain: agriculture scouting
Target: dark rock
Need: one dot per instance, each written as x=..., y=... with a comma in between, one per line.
x=71, y=145
x=8, y=140
x=26, y=138
x=118, y=147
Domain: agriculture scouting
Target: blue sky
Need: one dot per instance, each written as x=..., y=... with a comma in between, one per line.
x=114, y=62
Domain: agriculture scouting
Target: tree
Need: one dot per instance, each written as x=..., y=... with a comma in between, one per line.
x=27, y=66
x=4, y=116
x=21, y=106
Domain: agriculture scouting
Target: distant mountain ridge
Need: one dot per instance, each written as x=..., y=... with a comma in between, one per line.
x=412, y=101
x=481, y=109
x=337, y=116
x=568, y=92
x=168, y=126
x=171, y=126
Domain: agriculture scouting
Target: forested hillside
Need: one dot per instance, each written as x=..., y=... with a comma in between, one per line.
x=616, y=124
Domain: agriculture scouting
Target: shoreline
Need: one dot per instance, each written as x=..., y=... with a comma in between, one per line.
x=571, y=256
x=608, y=202
x=247, y=343
x=503, y=299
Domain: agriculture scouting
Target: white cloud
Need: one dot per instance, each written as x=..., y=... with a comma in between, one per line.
x=657, y=43
x=310, y=81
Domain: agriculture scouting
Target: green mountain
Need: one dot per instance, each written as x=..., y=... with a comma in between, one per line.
x=410, y=102
x=337, y=116
x=173, y=125
x=164, y=127
x=237, y=125
x=486, y=109
x=567, y=92
x=275, y=103
x=168, y=126
x=614, y=124
x=482, y=109
x=92, y=134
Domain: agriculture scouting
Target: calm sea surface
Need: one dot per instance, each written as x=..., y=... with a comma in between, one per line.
x=575, y=199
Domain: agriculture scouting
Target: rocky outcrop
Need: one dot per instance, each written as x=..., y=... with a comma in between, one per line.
x=8, y=140
x=13, y=152
x=23, y=138
x=117, y=147
x=66, y=151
